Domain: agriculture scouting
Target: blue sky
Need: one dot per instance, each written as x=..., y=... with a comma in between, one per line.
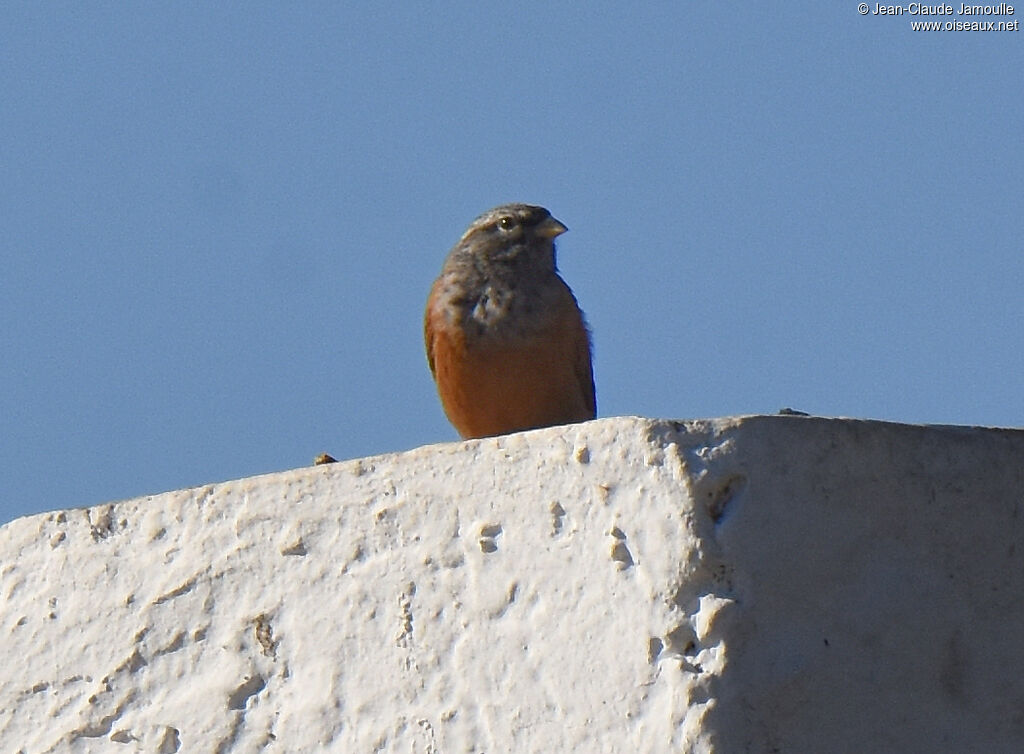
x=219, y=222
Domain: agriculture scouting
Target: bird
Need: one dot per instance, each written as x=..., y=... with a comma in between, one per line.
x=507, y=342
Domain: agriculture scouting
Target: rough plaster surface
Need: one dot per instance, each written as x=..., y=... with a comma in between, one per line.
x=757, y=584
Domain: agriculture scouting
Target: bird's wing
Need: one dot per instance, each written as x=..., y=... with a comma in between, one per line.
x=585, y=368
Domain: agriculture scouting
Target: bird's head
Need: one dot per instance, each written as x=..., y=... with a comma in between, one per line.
x=513, y=234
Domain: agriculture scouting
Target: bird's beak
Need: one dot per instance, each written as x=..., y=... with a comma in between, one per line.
x=550, y=228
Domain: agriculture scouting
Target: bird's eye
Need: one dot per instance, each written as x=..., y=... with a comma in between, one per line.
x=506, y=223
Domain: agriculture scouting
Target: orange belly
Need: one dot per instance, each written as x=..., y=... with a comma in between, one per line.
x=491, y=390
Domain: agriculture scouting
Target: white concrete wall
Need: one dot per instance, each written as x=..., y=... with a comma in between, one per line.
x=758, y=584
